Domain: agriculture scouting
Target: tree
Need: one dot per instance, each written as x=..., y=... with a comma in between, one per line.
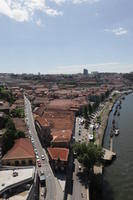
x=10, y=135
x=19, y=134
x=7, y=141
x=18, y=112
x=9, y=124
x=88, y=154
x=87, y=122
x=102, y=97
x=85, y=113
x=95, y=105
x=107, y=93
x=6, y=95
x=90, y=109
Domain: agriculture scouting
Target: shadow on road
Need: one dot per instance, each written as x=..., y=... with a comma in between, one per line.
x=83, y=177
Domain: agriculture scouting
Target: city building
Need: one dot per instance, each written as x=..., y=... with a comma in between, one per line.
x=17, y=183
x=58, y=158
x=21, y=154
x=85, y=71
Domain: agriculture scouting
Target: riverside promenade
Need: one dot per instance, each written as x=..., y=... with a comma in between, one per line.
x=109, y=154
x=104, y=120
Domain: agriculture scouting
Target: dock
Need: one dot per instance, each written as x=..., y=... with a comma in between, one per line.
x=109, y=155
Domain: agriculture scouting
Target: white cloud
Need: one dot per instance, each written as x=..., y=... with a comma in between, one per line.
x=39, y=22
x=24, y=10
x=53, y=12
x=74, y=1
x=82, y=1
x=117, y=31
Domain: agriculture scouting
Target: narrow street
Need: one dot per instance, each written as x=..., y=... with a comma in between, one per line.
x=80, y=188
x=54, y=191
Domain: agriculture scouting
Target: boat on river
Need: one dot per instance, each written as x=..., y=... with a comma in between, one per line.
x=116, y=132
x=118, y=114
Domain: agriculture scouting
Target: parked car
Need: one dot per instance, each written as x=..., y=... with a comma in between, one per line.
x=43, y=157
x=39, y=164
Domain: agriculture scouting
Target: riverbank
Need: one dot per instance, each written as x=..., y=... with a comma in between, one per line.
x=104, y=119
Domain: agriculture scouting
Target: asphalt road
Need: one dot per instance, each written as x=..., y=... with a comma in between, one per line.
x=79, y=190
x=53, y=189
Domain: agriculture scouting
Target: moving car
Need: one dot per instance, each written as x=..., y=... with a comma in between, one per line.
x=43, y=157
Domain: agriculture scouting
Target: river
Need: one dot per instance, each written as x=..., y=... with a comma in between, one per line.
x=118, y=176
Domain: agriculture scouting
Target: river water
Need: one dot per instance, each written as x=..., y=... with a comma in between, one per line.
x=118, y=176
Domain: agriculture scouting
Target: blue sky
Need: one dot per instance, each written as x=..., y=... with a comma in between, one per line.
x=65, y=36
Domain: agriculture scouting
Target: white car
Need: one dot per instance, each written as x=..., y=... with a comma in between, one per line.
x=43, y=157
x=91, y=137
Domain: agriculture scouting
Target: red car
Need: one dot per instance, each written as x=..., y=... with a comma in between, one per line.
x=39, y=164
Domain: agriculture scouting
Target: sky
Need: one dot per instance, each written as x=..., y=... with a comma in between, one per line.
x=65, y=36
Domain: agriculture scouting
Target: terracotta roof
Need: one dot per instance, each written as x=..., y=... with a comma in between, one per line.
x=42, y=121
x=60, y=120
x=61, y=104
x=61, y=136
x=20, y=124
x=58, y=153
x=22, y=149
x=39, y=110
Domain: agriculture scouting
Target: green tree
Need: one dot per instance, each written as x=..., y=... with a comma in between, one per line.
x=102, y=97
x=6, y=95
x=85, y=113
x=87, y=122
x=7, y=141
x=107, y=94
x=10, y=135
x=18, y=112
x=9, y=124
x=90, y=109
x=19, y=134
x=88, y=154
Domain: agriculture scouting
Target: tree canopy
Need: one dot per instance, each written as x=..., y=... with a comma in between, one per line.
x=18, y=112
x=6, y=95
x=88, y=154
x=10, y=135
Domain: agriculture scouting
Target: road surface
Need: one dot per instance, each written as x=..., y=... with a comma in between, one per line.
x=54, y=191
x=80, y=192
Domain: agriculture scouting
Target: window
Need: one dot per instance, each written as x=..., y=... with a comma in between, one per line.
x=8, y=163
x=23, y=162
x=30, y=162
x=16, y=162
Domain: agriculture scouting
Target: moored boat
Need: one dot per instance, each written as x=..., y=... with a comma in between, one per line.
x=117, y=132
x=118, y=114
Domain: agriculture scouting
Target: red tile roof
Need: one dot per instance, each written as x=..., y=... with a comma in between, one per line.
x=42, y=121
x=61, y=135
x=21, y=149
x=58, y=153
x=60, y=120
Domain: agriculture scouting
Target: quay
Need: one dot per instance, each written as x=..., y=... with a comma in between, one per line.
x=109, y=155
